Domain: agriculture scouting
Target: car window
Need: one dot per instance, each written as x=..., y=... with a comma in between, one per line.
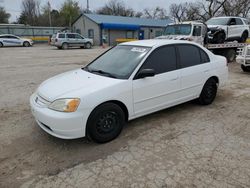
x=232, y=21
x=161, y=60
x=204, y=57
x=12, y=37
x=71, y=36
x=197, y=31
x=79, y=37
x=239, y=21
x=189, y=55
x=119, y=61
x=61, y=36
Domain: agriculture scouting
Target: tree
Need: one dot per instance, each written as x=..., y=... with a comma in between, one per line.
x=117, y=8
x=4, y=16
x=69, y=11
x=30, y=12
x=156, y=13
x=179, y=11
x=236, y=8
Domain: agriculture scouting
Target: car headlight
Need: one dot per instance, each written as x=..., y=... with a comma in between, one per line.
x=65, y=105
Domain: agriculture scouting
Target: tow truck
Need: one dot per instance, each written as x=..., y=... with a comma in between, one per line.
x=197, y=31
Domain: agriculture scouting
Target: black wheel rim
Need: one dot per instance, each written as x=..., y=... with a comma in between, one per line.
x=107, y=122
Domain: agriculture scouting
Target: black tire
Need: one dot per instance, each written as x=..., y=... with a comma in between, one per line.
x=1, y=45
x=105, y=123
x=230, y=55
x=245, y=68
x=208, y=92
x=26, y=44
x=244, y=37
x=88, y=45
x=65, y=46
x=219, y=38
x=59, y=48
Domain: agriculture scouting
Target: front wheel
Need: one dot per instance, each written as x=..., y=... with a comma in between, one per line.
x=26, y=44
x=219, y=38
x=1, y=45
x=105, y=123
x=88, y=45
x=208, y=92
x=245, y=68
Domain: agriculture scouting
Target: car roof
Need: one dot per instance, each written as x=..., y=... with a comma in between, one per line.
x=156, y=42
x=228, y=17
x=8, y=35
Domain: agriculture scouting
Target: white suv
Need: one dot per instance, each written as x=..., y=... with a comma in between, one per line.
x=221, y=29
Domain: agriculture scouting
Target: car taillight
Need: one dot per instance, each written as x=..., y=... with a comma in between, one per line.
x=56, y=40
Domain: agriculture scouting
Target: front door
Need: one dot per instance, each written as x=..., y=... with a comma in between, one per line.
x=154, y=93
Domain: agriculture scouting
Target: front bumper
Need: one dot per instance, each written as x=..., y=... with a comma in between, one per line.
x=59, y=124
x=243, y=60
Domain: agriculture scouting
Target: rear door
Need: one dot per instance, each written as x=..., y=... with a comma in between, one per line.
x=154, y=93
x=80, y=40
x=195, y=67
x=232, y=28
x=71, y=39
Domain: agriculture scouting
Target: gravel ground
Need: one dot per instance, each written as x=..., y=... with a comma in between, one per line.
x=184, y=146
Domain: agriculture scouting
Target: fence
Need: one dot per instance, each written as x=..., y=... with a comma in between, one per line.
x=37, y=34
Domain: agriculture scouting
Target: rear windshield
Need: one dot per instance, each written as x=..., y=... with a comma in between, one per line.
x=61, y=36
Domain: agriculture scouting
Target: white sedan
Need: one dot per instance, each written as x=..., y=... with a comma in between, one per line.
x=128, y=81
x=12, y=40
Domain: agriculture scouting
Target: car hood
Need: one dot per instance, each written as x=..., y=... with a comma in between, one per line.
x=64, y=85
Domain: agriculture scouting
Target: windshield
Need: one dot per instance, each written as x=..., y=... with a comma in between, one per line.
x=218, y=21
x=119, y=62
x=184, y=29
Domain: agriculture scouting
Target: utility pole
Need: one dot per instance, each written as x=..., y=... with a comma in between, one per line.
x=88, y=6
x=49, y=13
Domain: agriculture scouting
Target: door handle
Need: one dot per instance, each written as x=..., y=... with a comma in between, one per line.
x=206, y=71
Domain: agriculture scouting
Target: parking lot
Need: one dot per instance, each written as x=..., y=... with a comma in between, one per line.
x=184, y=146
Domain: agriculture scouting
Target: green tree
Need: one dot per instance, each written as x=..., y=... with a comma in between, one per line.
x=69, y=11
x=4, y=16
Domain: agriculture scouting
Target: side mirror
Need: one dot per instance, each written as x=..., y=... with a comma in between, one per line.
x=145, y=73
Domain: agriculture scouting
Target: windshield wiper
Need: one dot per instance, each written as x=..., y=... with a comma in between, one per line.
x=102, y=72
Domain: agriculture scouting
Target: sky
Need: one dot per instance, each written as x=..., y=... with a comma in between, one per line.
x=14, y=6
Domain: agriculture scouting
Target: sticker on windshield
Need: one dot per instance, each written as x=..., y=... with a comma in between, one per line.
x=140, y=50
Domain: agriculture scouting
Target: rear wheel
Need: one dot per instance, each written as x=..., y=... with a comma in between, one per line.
x=26, y=44
x=1, y=44
x=244, y=37
x=208, y=92
x=65, y=46
x=105, y=123
x=230, y=55
x=245, y=68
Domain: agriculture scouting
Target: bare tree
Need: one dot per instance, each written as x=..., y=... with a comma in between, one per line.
x=236, y=8
x=116, y=8
x=178, y=11
x=156, y=13
x=4, y=16
x=30, y=12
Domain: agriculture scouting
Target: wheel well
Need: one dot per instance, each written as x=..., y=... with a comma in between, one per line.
x=215, y=78
x=120, y=104
x=246, y=32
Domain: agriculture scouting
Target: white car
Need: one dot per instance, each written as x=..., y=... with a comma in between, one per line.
x=128, y=81
x=221, y=29
x=12, y=40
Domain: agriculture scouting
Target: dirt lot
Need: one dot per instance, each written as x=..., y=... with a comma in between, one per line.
x=185, y=146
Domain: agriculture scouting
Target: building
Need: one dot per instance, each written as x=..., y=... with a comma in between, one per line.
x=107, y=29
